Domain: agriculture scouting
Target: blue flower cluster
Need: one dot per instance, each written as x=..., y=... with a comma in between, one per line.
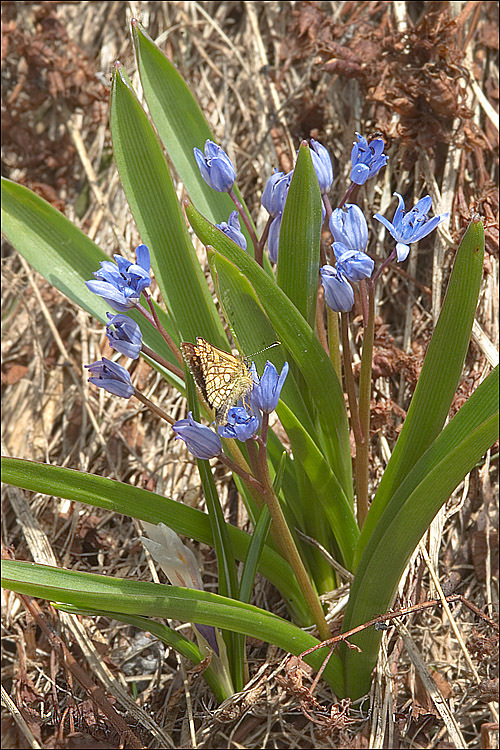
x=367, y=159
x=350, y=232
x=242, y=424
x=121, y=285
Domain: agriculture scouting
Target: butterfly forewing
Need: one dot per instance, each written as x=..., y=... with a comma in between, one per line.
x=221, y=377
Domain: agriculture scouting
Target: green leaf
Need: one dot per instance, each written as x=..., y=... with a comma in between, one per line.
x=158, y=600
x=336, y=508
x=179, y=121
x=406, y=517
x=255, y=550
x=439, y=377
x=252, y=561
x=65, y=257
x=182, y=126
x=148, y=506
x=299, y=338
x=52, y=245
x=155, y=207
x=300, y=234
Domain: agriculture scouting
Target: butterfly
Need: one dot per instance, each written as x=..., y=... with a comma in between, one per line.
x=222, y=378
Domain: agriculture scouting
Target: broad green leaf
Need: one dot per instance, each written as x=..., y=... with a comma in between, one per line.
x=299, y=339
x=179, y=121
x=158, y=600
x=439, y=377
x=182, y=126
x=406, y=517
x=155, y=207
x=300, y=234
x=148, y=506
x=65, y=257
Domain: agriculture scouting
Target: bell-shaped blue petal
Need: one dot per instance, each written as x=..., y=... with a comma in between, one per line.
x=322, y=165
x=240, y=424
x=200, y=440
x=266, y=391
x=233, y=230
x=339, y=295
x=348, y=226
x=112, y=377
x=124, y=335
x=366, y=159
x=353, y=264
x=215, y=167
x=275, y=192
x=273, y=239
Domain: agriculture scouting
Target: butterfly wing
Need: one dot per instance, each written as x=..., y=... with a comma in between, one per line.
x=221, y=377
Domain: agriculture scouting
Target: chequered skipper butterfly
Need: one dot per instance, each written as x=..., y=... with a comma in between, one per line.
x=222, y=378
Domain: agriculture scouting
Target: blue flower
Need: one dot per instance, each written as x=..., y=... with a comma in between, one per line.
x=275, y=193
x=233, y=230
x=266, y=390
x=216, y=167
x=273, y=239
x=200, y=439
x=366, y=159
x=339, y=295
x=112, y=377
x=348, y=226
x=240, y=424
x=322, y=164
x=124, y=335
x=412, y=226
x=351, y=263
x=122, y=283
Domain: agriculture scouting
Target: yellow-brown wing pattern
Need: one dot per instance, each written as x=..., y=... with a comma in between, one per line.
x=221, y=377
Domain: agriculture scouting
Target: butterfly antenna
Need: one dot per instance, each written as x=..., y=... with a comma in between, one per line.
x=276, y=343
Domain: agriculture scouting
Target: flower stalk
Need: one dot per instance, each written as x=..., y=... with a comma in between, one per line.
x=365, y=384
x=171, y=343
x=286, y=543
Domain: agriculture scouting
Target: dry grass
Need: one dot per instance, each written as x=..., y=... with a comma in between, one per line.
x=267, y=75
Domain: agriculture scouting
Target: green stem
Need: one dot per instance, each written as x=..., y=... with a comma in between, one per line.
x=365, y=387
x=156, y=409
x=349, y=381
x=334, y=341
x=171, y=343
x=161, y=361
x=288, y=545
